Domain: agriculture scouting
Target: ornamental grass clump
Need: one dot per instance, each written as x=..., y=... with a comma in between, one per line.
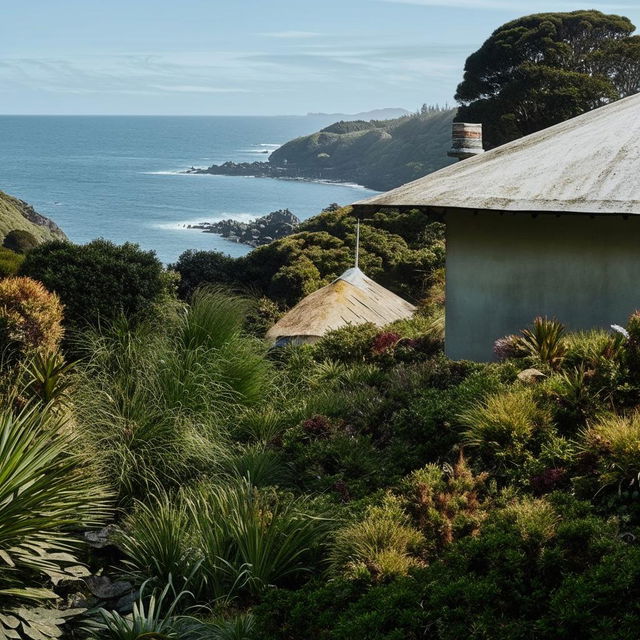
x=506, y=426
x=382, y=545
x=157, y=401
x=223, y=540
x=613, y=442
x=535, y=520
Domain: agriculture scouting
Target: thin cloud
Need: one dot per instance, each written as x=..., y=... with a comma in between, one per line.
x=189, y=88
x=292, y=35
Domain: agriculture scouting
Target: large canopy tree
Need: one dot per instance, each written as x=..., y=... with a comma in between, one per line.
x=542, y=69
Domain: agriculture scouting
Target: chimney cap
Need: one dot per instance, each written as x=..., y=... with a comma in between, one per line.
x=466, y=140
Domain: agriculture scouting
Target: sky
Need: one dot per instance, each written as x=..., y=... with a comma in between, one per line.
x=246, y=57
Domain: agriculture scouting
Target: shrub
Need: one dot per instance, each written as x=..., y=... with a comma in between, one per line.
x=614, y=444
x=344, y=610
x=100, y=280
x=504, y=426
x=10, y=262
x=427, y=425
x=30, y=318
x=45, y=497
x=444, y=502
x=347, y=344
x=508, y=347
x=201, y=268
x=329, y=454
x=381, y=545
x=19, y=241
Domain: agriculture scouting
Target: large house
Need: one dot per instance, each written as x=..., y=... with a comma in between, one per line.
x=545, y=225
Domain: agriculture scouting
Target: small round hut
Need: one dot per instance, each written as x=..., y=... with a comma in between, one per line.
x=351, y=299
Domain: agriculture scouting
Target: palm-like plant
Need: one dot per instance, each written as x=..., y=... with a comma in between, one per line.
x=151, y=619
x=545, y=341
x=44, y=497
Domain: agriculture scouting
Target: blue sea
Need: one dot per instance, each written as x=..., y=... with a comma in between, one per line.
x=118, y=177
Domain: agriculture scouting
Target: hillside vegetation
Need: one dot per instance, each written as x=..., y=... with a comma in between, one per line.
x=380, y=154
x=16, y=214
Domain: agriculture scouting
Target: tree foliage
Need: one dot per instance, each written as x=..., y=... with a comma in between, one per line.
x=541, y=69
x=98, y=281
x=402, y=251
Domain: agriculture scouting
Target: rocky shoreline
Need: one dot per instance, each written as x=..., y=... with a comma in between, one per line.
x=259, y=170
x=264, y=230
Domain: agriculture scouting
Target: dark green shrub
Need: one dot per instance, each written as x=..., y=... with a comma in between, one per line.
x=19, y=241
x=348, y=344
x=504, y=584
x=342, y=610
x=426, y=427
x=100, y=280
x=330, y=455
x=198, y=268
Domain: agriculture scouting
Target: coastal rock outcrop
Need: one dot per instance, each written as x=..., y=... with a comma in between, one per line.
x=264, y=230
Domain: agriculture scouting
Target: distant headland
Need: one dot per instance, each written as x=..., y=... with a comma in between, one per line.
x=378, y=154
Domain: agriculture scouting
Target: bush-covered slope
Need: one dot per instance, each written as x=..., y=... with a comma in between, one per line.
x=381, y=154
x=17, y=214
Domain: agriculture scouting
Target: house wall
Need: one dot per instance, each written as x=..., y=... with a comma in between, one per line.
x=503, y=270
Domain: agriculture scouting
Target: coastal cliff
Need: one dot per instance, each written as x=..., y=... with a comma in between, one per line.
x=17, y=215
x=378, y=154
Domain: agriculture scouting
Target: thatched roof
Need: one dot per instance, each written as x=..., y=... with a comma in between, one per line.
x=351, y=299
x=589, y=164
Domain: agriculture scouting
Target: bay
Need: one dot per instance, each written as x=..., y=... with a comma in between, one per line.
x=118, y=177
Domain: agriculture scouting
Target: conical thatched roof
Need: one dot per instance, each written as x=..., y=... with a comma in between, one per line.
x=353, y=299
x=589, y=164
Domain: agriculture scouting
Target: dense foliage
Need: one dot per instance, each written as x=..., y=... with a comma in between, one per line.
x=542, y=69
x=98, y=281
x=403, y=252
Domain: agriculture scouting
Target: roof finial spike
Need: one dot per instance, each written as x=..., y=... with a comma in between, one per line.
x=357, y=243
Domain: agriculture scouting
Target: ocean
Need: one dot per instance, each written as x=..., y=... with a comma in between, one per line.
x=118, y=177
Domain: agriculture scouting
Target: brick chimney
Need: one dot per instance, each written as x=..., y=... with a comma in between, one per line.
x=466, y=140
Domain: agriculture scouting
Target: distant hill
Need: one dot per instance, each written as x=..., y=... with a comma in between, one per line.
x=374, y=114
x=17, y=214
x=379, y=154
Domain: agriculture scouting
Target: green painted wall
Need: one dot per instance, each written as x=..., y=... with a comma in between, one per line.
x=503, y=270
